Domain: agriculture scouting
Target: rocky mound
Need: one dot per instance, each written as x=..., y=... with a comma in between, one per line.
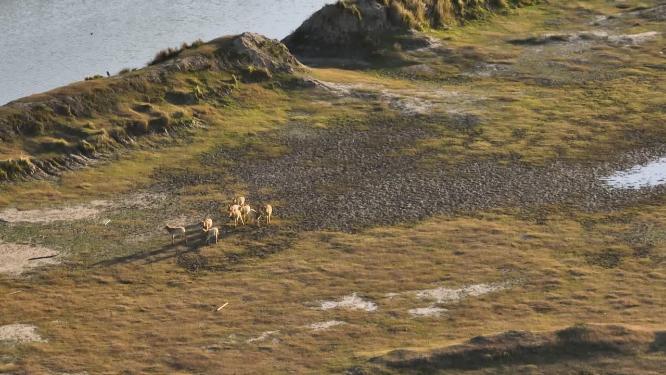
x=70, y=127
x=357, y=28
x=580, y=342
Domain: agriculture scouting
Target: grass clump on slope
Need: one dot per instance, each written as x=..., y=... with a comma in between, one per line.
x=423, y=14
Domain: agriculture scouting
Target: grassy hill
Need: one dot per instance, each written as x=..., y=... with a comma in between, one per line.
x=67, y=127
x=440, y=209
x=362, y=28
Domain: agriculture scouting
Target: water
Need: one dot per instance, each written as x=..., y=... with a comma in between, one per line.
x=49, y=43
x=640, y=176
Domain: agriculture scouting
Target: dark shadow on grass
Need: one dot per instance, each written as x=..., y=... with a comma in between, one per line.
x=195, y=240
x=262, y=241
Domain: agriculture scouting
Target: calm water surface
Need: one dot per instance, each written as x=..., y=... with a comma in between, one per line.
x=49, y=43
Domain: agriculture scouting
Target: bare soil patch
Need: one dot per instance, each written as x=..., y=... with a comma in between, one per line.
x=263, y=337
x=322, y=326
x=48, y=215
x=92, y=209
x=16, y=259
x=20, y=334
x=430, y=312
x=452, y=295
x=350, y=302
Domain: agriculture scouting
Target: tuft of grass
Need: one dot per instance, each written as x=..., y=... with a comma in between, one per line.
x=170, y=53
x=425, y=14
x=51, y=144
x=351, y=7
x=12, y=168
x=92, y=78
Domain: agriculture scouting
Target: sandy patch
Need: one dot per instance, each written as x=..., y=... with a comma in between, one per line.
x=429, y=312
x=322, y=326
x=633, y=39
x=142, y=200
x=16, y=259
x=447, y=295
x=20, y=333
x=351, y=302
x=264, y=336
x=180, y=221
x=408, y=102
x=48, y=215
x=136, y=201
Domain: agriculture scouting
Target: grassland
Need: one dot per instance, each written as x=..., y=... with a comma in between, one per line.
x=124, y=300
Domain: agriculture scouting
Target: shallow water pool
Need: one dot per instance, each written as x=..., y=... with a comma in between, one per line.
x=640, y=176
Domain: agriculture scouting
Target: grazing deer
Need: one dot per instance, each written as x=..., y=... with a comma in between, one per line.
x=235, y=213
x=176, y=231
x=206, y=224
x=239, y=201
x=266, y=211
x=213, y=233
x=245, y=211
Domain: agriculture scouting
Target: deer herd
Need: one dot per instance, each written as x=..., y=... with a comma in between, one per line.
x=239, y=211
